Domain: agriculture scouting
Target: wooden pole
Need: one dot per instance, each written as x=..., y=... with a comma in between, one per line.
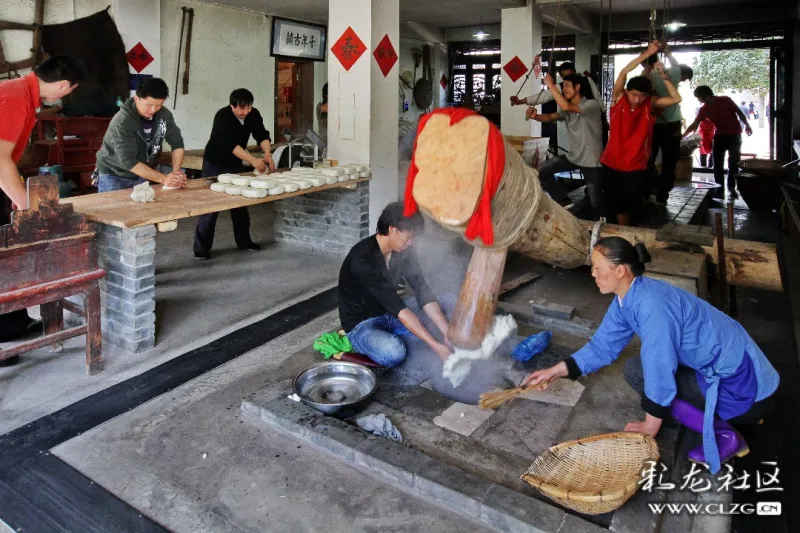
x=474, y=313
x=734, y=307
x=722, y=266
x=187, y=52
x=38, y=21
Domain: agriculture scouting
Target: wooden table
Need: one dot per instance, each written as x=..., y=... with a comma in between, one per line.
x=126, y=246
x=117, y=209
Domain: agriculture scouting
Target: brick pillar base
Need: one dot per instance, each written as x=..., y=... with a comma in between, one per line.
x=328, y=222
x=128, y=292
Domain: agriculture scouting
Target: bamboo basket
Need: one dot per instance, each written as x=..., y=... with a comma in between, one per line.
x=594, y=475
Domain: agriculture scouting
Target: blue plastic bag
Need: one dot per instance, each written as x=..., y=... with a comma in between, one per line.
x=533, y=345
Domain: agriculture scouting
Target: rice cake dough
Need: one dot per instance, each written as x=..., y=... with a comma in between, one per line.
x=219, y=187
x=263, y=183
x=241, y=181
x=233, y=190
x=225, y=178
x=276, y=190
x=254, y=193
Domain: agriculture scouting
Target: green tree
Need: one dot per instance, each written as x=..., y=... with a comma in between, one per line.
x=737, y=70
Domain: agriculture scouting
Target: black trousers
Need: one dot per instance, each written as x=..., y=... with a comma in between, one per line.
x=13, y=323
x=206, y=224
x=667, y=140
x=689, y=390
x=733, y=145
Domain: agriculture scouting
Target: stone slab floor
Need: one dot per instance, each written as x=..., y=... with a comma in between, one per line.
x=196, y=302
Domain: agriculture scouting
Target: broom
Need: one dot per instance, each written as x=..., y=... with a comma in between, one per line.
x=493, y=400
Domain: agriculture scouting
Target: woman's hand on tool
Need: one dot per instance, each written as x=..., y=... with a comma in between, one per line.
x=547, y=375
x=649, y=426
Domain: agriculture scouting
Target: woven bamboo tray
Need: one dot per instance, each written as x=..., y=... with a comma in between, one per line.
x=594, y=475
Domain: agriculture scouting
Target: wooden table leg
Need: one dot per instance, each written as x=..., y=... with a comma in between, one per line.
x=53, y=319
x=94, y=337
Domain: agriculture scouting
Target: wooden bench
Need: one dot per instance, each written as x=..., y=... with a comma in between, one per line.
x=47, y=255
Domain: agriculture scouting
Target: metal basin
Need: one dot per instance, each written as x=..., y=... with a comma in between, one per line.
x=332, y=386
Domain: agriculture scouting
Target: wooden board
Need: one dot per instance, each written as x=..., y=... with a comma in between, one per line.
x=193, y=159
x=512, y=284
x=117, y=209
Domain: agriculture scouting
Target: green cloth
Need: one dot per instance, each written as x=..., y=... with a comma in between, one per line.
x=330, y=344
x=673, y=112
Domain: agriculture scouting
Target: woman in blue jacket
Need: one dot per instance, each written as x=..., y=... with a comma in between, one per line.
x=696, y=363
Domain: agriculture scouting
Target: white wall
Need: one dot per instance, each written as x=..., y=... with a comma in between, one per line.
x=406, y=62
x=230, y=49
x=17, y=44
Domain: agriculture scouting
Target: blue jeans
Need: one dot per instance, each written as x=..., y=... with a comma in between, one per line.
x=383, y=338
x=110, y=182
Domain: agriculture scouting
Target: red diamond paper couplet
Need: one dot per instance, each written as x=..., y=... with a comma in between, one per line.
x=537, y=66
x=348, y=48
x=444, y=81
x=138, y=57
x=515, y=68
x=385, y=55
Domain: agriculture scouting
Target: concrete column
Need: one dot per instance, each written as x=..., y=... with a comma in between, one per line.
x=363, y=104
x=520, y=35
x=128, y=292
x=585, y=46
x=140, y=22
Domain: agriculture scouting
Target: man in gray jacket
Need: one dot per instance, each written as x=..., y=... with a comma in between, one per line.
x=132, y=144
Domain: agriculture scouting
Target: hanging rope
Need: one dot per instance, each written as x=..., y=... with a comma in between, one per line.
x=653, y=15
x=550, y=65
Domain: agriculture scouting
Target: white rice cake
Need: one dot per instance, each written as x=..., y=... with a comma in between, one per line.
x=254, y=193
x=303, y=184
x=289, y=186
x=233, y=190
x=241, y=181
x=219, y=187
x=317, y=182
x=276, y=190
x=344, y=177
x=334, y=171
x=330, y=179
x=263, y=183
x=226, y=178
x=365, y=174
x=350, y=170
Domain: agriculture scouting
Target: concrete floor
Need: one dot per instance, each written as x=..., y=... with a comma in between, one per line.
x=187, y=460
x=196, y=303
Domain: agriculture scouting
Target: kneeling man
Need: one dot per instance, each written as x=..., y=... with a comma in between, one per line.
x=372, y=313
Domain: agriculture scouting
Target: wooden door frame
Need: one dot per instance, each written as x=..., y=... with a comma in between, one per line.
x=302, y=97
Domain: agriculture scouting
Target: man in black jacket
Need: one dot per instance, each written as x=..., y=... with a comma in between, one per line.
x=372, y=314
x=225, y=153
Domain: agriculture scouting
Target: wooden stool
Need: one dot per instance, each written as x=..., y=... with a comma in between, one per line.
x=47, y=255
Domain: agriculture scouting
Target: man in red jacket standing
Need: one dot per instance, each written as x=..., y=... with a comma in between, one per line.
x=19, y=100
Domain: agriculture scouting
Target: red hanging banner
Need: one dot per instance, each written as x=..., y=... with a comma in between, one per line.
x=385, y=55
x=515, y=69
x=348, y=48
x=138, y=57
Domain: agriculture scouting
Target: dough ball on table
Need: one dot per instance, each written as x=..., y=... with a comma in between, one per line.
x=317, y=182
x=333, y=171
x=219, y=187
x=350, y=170
x=263, y=183
x=344, y=177
x=241, y=181
x=233, y=190
x=302, y=183
x=276, y=190
x=359, y=168
x=365, y=174
x=289, y=186
x=254, y=193
x=225, y=178
x=330, y=179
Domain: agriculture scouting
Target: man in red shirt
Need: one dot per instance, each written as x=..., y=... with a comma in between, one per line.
x=725, y=115
x=19, y=100
x=632, y=117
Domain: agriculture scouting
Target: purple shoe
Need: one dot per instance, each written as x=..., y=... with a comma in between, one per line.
x=730, y=442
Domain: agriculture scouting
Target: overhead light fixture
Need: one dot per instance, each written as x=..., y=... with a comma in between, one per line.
x=481, y=34
x=674, y=26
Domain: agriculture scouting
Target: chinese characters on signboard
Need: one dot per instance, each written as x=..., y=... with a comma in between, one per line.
x=297, y=39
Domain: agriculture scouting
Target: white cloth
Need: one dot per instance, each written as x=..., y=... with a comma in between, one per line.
x=458, y=365
x=380, y=426
x=143, y=193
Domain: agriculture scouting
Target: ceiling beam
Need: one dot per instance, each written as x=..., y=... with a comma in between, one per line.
x=751, y=12
x=573, y=20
